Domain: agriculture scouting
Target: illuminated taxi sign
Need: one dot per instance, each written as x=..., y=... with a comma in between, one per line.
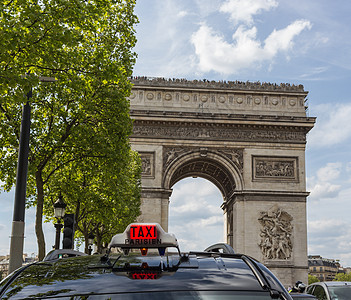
x=143, y=232
x=144, y=235
x=145, y=275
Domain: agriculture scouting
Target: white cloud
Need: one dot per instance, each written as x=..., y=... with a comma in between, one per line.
x=282, y=40
x=330, y=238
x=244, y=10
x=327, y=227
x=321, y=186
x=182, y=14
x=195, y=216
x=330, y=172
x=314, y=73
x=215, y=53
x=324, y=190
x=333, y=125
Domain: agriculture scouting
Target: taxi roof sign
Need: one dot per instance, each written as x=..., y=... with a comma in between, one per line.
x=144, y=235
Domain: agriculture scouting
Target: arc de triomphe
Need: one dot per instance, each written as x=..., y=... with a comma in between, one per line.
x=249, y=140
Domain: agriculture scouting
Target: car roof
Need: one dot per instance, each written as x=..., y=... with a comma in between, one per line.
x=118, y=273
x=333, y=283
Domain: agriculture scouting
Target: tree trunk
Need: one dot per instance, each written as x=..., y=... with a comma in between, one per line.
x=98, y=240
x=39, y=215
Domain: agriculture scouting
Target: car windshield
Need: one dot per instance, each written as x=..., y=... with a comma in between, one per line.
x=340, y=292
x=187, y=295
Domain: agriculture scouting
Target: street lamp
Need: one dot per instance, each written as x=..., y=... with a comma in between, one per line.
x=17, y=234
x=90, y=242
x=59, y=211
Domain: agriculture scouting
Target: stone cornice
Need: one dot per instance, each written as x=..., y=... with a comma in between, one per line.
x=150, y=114
x=222, y=85
x=219, y=101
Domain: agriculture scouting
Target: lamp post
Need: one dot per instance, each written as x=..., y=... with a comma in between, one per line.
x=90, y=242
x=17, y=234
x=59, y=211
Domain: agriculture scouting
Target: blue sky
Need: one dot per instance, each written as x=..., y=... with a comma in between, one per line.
x=299, y=42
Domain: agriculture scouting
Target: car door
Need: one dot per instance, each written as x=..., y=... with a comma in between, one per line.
x=320, y=293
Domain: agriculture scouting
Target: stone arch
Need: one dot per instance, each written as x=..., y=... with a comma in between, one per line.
x=211, y=165
x=221, y=167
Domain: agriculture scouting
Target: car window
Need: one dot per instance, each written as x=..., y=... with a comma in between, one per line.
x=310, y=289
x=340, y=292
x=319, y=293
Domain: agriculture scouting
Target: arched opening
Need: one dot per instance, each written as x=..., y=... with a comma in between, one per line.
x=195, y=215
x=219, y=174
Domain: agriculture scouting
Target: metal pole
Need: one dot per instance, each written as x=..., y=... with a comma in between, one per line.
x=17, y=236
x=58, y=227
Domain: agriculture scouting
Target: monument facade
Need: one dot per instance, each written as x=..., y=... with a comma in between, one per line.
x=249, y=140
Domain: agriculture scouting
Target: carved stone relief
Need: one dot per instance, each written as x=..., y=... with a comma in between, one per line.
x=219, y=133
x=276, y=234
x=234, y=155
x=147, y=164
x=276, y=168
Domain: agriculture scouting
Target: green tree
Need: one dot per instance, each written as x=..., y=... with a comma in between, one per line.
x=312, y=279
x=343, y=277
x=82, y=120
x=102, y=205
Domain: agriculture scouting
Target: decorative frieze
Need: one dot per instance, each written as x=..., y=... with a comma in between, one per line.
x=275, y=168
x=276, y=234
x=219, y=100
x=217, y=133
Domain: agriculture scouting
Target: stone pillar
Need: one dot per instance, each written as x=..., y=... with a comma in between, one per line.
x=272, y=228
x=154, y=206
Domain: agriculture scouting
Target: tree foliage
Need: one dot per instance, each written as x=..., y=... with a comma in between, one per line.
x=312, y=279
x=80, y=123
x=343, y=277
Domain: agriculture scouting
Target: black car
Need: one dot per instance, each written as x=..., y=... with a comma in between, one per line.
x=155, y=274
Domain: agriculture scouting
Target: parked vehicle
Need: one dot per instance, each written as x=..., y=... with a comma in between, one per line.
x=330, y=290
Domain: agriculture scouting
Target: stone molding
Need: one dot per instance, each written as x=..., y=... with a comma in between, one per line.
x=155, y=193
x=272, y=196
x=138, y=113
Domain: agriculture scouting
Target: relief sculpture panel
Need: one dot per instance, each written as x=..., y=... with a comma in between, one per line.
x=276, y=234
x=147, y=164
x=275, y=168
